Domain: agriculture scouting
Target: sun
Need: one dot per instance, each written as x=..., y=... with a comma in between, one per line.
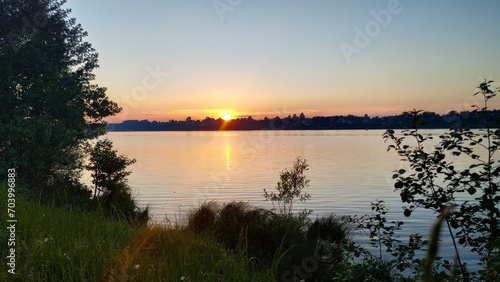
x=226, y=116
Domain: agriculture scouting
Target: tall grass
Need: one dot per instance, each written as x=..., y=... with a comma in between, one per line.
x=222, y=242
x=280, y=243
x=55, y=244
x=174, y=254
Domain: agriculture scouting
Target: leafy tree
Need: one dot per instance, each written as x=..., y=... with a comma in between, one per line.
x=435, y=182
x=109, y=176
x=107, y=168
x=290, y=187
x=49, y=106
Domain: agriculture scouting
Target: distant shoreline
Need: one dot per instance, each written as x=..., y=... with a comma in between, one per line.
x=300, y=122
x=264, y=129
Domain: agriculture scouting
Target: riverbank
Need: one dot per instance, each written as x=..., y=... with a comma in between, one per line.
x=61, y=244
x=241, y=243
x=221, y=242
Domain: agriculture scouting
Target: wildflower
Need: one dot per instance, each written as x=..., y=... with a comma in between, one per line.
x=137, y=266
x=182, y=278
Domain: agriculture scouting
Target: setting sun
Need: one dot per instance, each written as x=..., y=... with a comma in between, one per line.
x=226, y=116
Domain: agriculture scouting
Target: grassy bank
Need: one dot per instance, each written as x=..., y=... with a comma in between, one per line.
x=222, y=242
x=60, y=244
x=157, y=254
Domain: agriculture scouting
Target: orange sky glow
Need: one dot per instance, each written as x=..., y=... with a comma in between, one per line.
x=278, y=58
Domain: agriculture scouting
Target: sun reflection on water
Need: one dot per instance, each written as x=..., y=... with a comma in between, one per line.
x=228, y=156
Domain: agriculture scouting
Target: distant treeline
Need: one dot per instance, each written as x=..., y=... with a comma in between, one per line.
x=301, y=122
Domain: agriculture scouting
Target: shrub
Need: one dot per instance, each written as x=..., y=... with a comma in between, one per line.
x=370, y=269
x=434, y=182
x=121, y=205
x=290, y=188
x=239, y=226
x=110, y=183
x=328, y=228
x=203, y=218
x=232, y=223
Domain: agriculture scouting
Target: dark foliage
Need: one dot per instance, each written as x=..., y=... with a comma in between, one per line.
x=328, y=228
x=267, y=238
x=468, y=196
x=49, y=106
x=203, y=218
x=50, y=110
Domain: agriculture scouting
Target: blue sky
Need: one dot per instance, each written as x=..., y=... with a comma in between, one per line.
x=164, y=60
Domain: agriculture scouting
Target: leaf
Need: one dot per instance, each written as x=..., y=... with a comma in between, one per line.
x=398, y=185
x=454, y=224
x=407, y=212
x=471, y=190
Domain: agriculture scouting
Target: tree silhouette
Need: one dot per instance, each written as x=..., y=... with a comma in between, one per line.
x=49, y=106
x=108, y=168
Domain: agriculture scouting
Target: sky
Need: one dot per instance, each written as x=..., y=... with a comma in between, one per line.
x=163, y=60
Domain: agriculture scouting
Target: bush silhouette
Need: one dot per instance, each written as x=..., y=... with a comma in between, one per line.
x=290, y=188
x=203, y=218
x=239, y=225
x=264, y=237
x=328, y=228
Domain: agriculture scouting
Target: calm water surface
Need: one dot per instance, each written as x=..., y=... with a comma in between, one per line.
x=176, y=171
x=348, y=169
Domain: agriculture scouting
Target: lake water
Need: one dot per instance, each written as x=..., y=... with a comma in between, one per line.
x=348, y=169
